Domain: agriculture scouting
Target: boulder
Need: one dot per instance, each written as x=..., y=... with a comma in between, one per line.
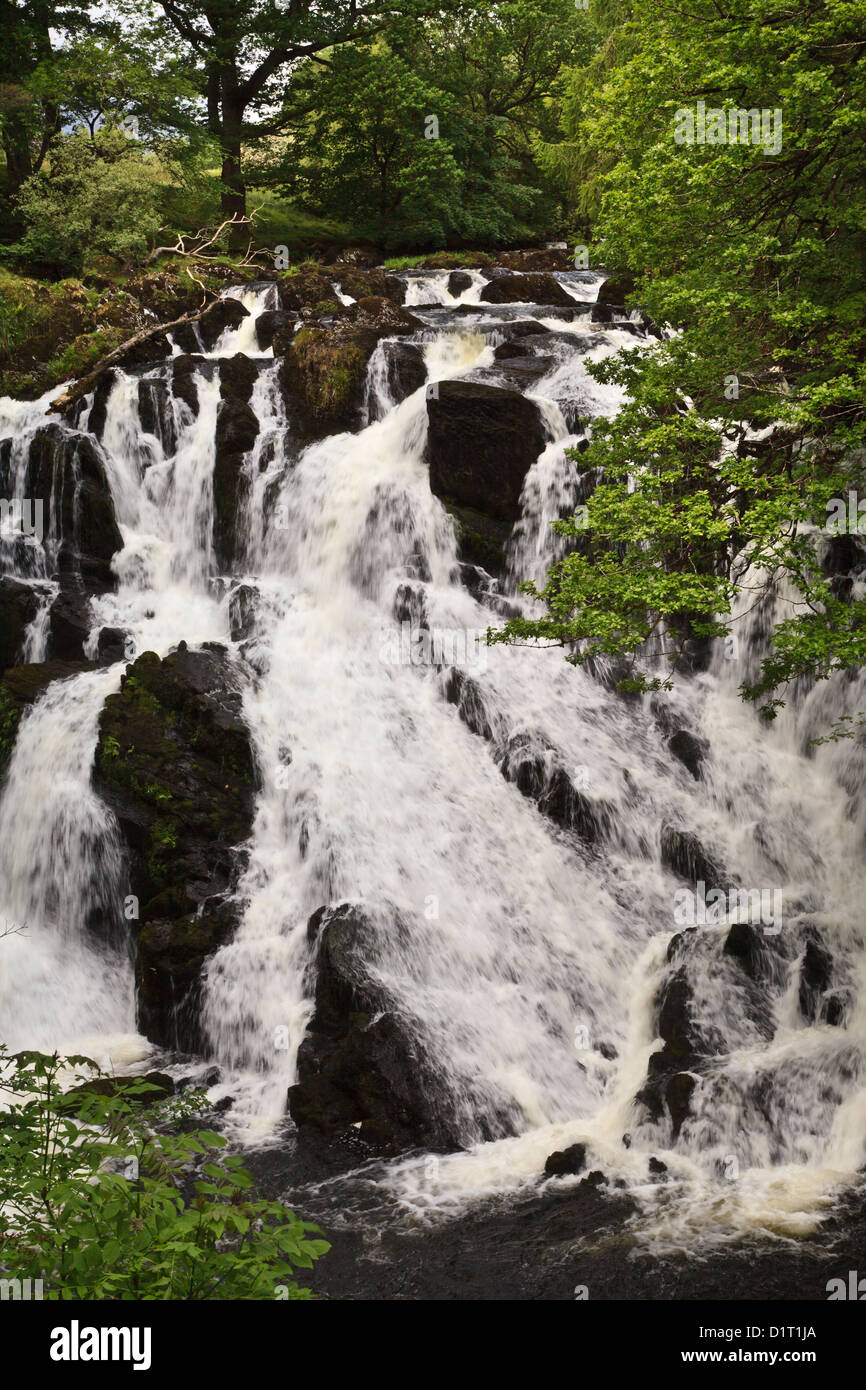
x=541, y=258
x=69, y=625
x=156, y=412
x=616, y=289
x=324, y=370
x=175, y=765
x=406, y=368
x=816, y=975
x=66, y=471
x=111, y=644
x=19, y=604
x=564, y=1162
x=482, y=441
x=237, y=429
x=458, y=282
x=182, y=378
x=272, y=322
x=238, y=376
x=683, y=853
x=359, y=1067
x=223, y=314
x=526, y=289
x=689, y=749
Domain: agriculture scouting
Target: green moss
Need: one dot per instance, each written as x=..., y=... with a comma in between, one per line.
x=10, y=718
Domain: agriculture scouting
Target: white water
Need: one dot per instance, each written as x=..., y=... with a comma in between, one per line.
x=526, y=963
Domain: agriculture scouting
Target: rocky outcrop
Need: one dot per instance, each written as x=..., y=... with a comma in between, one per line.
x=566, y=1162
x=174, y=764
x=683, y=853
x=482, y=441
x=19, y=604
x=324, y=369
x=237, y=429
x=359, y=1068
x=616, y=289
x=222, y=314
x=66, y=472
x=526, y=289
x=274, y=322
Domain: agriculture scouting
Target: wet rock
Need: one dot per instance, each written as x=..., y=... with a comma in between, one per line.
x=526, y=289
x=682, y=852
x=237, y=428
x=182, y=379
x=20, y=687
x=656, y=1166
x=816, y=974
x=160, y=1085
x=156, y=412
x=186, y=338
x=690, y=750
x=69, y=625
x=482, y=441
x=306, y=290
x=464, y=692
x=324, y=370
x=273, y=322
x=564, y=1162
x=223, y=314
x=458, y=282
x=238, y=376
x=359, y=1067
x=534, y=767
x=745, y=944
x=111, y=644
x=19, y=604
x=99, y=407
x=175, y=765
x=67, y=473
x=616, y=289
x=406, y=368
x=481, y=540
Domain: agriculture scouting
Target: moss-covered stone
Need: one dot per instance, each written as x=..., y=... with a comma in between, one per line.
x=174, y=763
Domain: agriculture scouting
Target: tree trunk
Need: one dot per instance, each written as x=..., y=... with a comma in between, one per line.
x=234, y=194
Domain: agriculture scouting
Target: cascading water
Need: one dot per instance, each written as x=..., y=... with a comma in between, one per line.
x=525, y=958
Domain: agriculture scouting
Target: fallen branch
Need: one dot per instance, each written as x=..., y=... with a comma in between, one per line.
x=81, y=387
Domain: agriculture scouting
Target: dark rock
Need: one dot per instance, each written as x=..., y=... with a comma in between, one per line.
x=656, y=1166
x=564, y=1162
x=19, y=605
x=225, y=313
x=238, y=376
x=186, y=338
x=616, y=289
x=480, y=539
x=111, y=644
x=458, y=281
x=407, y=371
x=152, y=349
x=683, y=852
x=542, y=258
x=98, y=410
x=816, y=974
x=126, y=1088
x=690, y=750
x=66, y=471
x=156, y=412
x=482, y=441
x=272, y=322
x=182, y=382
x=237, y=428
x=359, y=1066
x=745, y=944
x=526, y=289
x=69, y=625
x=595, y=1179
x=175, y=765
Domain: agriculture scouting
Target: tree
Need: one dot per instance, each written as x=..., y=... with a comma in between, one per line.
x=242, y=49
x=100, y=194
x=757, y=257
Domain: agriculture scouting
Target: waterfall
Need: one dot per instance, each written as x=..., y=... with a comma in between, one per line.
x=525, y=956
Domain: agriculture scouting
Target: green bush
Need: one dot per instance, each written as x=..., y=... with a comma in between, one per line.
x=98, y=1201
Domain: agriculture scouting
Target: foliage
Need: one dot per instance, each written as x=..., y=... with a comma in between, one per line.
x=96, y=194
x=757, y=259
x=99, y=1201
